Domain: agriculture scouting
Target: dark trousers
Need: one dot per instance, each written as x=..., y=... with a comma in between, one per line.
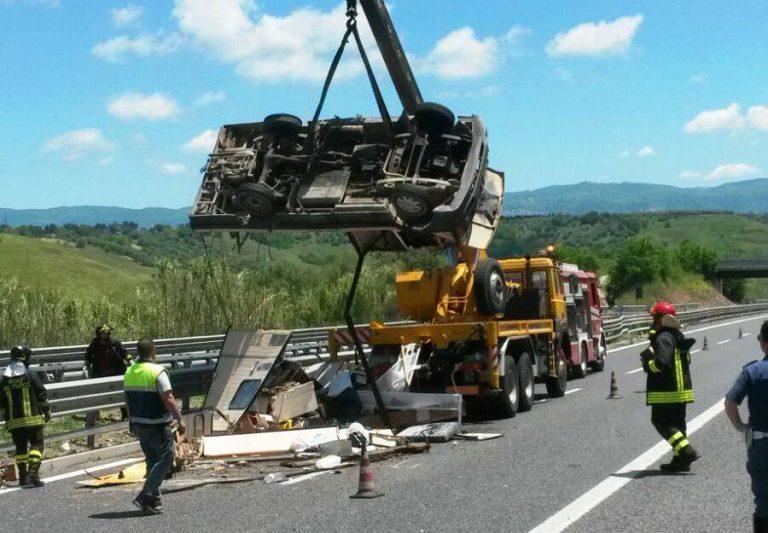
x=757, y=466
x=669, y=421
x=158, y=445
x=29, y=445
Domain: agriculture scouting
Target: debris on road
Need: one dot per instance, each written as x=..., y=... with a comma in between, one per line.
x=439, y=432
x=135, y=473
x=478, y=436
x=272, y=442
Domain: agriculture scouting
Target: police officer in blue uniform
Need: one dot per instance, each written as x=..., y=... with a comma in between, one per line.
x=752, y=383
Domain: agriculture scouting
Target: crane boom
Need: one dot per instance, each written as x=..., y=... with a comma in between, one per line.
x=393, y=54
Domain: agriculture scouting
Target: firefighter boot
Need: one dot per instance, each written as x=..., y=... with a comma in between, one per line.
x=688, y=455
x=23, y=476
x=34, y=476
x=677, y=464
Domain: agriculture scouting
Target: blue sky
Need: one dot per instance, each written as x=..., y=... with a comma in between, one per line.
x=114, y=103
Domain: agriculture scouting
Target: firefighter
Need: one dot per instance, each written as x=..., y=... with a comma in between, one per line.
x=105, y=356
x=669, y=388
x=25, y=403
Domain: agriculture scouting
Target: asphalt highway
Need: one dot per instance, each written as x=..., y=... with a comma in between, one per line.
x=581, y=463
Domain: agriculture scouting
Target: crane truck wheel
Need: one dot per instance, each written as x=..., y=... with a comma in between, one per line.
x=525, y=371
x=556, y=385
x=434, y=119
x=255, y=198
x=506, y=404
x=490, y=288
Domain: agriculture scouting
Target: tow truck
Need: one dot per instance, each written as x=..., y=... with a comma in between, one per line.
x=489, y=329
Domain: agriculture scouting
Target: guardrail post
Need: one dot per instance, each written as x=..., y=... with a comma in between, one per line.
x=90, y=422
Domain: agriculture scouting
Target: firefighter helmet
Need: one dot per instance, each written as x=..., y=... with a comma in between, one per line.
x=21, y=353
x=663, y=308
x=103, y=328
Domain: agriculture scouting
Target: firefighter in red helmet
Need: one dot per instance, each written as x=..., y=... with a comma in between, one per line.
x=669, y=389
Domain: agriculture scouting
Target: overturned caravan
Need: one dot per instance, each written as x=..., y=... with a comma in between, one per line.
x=420, y=181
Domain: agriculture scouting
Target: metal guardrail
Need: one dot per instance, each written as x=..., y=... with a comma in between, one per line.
x=616, y=327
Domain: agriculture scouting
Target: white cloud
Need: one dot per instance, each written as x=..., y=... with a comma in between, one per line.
x=516, y=34
x=154, y=106
x=646, y=151
x=596, y=38
x=171, y=169
x=728, y=118
x=691, y=174
x=211, y=97
x=460, y=54
x=144, y=45
x=269, y=48
x=124, y=16
x=757, y=116
x=78, y=143
x=203, y=143
x=732, y=171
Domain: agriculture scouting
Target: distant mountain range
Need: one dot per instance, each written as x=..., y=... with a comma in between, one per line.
x=91, y=215
x=749, y=196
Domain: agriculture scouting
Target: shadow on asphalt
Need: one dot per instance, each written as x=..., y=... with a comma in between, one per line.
x=639, y=474
x=137, y=513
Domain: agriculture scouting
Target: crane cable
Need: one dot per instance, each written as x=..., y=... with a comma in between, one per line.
x=353, y=31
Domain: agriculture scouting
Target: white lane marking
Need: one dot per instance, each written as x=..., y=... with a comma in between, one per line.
x=747, y=334
x=759, y=317
x=706, y=328
x=305, y=477
x=635, y=371
x=571, y=391
x=600, y=492
x=725, y=341
x=695, y=351
x=77, y=473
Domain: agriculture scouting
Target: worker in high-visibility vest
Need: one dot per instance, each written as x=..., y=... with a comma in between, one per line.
x=669, y=388
x=25, y=403
x=152, y=409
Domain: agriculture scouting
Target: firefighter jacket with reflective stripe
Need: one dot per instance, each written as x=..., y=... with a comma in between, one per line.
x=22, y=397
x=145, y=405
x=667, y=362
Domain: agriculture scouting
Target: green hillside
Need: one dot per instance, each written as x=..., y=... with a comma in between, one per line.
x=53, y=264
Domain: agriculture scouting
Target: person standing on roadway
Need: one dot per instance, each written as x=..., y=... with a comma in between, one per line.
x=669, y=388
x=753, y=384
x=25, y=402
x=151, y=409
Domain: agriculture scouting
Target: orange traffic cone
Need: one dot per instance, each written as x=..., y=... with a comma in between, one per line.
x=614, y=393
x=705, y=347
x=741, y=334
x=365, y=487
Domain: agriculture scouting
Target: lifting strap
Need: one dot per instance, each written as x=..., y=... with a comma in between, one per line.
x=353, y=31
